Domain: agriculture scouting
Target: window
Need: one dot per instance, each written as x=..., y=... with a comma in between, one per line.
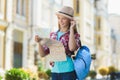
x=76, y=7
x=17, y=55
x=21, y=7
x=99, y=23
x=18, y=7
x=99, y=41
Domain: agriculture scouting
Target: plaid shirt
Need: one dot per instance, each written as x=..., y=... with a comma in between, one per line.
x=65, y=40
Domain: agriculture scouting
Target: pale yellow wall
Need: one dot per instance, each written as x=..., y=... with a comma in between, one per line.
x=3, y=26
x=3, y=9
x=105, y=34
x=114, y=22
x=1, y=49
x=86, y=22
x=104, y=49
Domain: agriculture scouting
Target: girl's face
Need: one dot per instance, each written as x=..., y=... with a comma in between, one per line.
x=63, y=21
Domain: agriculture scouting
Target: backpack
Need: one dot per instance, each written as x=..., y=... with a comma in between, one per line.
x=82, y=62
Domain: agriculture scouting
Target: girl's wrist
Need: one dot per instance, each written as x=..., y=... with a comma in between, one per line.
x=72, y=29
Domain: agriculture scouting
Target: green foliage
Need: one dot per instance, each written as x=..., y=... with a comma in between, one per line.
x=40, y=67
x=16, y=74
x=0, y=77
x=92, y=74
x=48, y=72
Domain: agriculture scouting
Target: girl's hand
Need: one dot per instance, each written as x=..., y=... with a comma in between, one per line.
x=37, y=38
x=73, y=24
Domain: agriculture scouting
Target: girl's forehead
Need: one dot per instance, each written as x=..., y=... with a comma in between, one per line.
x=62, y=16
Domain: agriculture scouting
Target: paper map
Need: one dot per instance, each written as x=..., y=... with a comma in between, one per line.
x=57, y=50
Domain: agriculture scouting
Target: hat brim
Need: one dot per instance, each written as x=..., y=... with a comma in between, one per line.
x=57, y=13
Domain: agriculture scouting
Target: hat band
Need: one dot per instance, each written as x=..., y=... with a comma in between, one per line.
x=65, y=14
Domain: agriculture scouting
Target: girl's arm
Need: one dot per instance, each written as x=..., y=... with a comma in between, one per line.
x=72, y=42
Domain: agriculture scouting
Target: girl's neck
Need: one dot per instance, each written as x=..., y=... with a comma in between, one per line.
x=64, y=30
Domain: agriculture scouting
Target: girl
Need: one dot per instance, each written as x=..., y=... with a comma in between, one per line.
x=66, y=34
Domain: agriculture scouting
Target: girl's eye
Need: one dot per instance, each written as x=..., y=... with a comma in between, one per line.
x=63, y=18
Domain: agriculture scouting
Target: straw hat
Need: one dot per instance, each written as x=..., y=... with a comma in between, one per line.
x=66, y=11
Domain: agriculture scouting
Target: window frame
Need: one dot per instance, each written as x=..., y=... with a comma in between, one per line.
x=21, y=7
x=77, y=7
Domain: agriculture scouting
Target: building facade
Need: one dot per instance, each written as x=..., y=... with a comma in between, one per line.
x=115, y=39
x=14, y=26
x=3, y=27
x=102, y=34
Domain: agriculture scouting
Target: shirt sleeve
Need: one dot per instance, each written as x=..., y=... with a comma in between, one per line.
x=77, y=38
x=46, y=49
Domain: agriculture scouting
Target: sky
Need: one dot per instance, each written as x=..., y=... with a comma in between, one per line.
x=114, y=7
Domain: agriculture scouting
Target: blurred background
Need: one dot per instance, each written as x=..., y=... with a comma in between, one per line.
x=98, y=22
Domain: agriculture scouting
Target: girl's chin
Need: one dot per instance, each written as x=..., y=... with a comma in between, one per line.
x=62, y=25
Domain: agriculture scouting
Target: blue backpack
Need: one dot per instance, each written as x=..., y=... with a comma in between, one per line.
x=82, y=62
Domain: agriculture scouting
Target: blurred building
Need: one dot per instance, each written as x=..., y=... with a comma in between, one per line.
x=14, y=31
x=3, y=27
x=102, y=34
x=115, y=35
